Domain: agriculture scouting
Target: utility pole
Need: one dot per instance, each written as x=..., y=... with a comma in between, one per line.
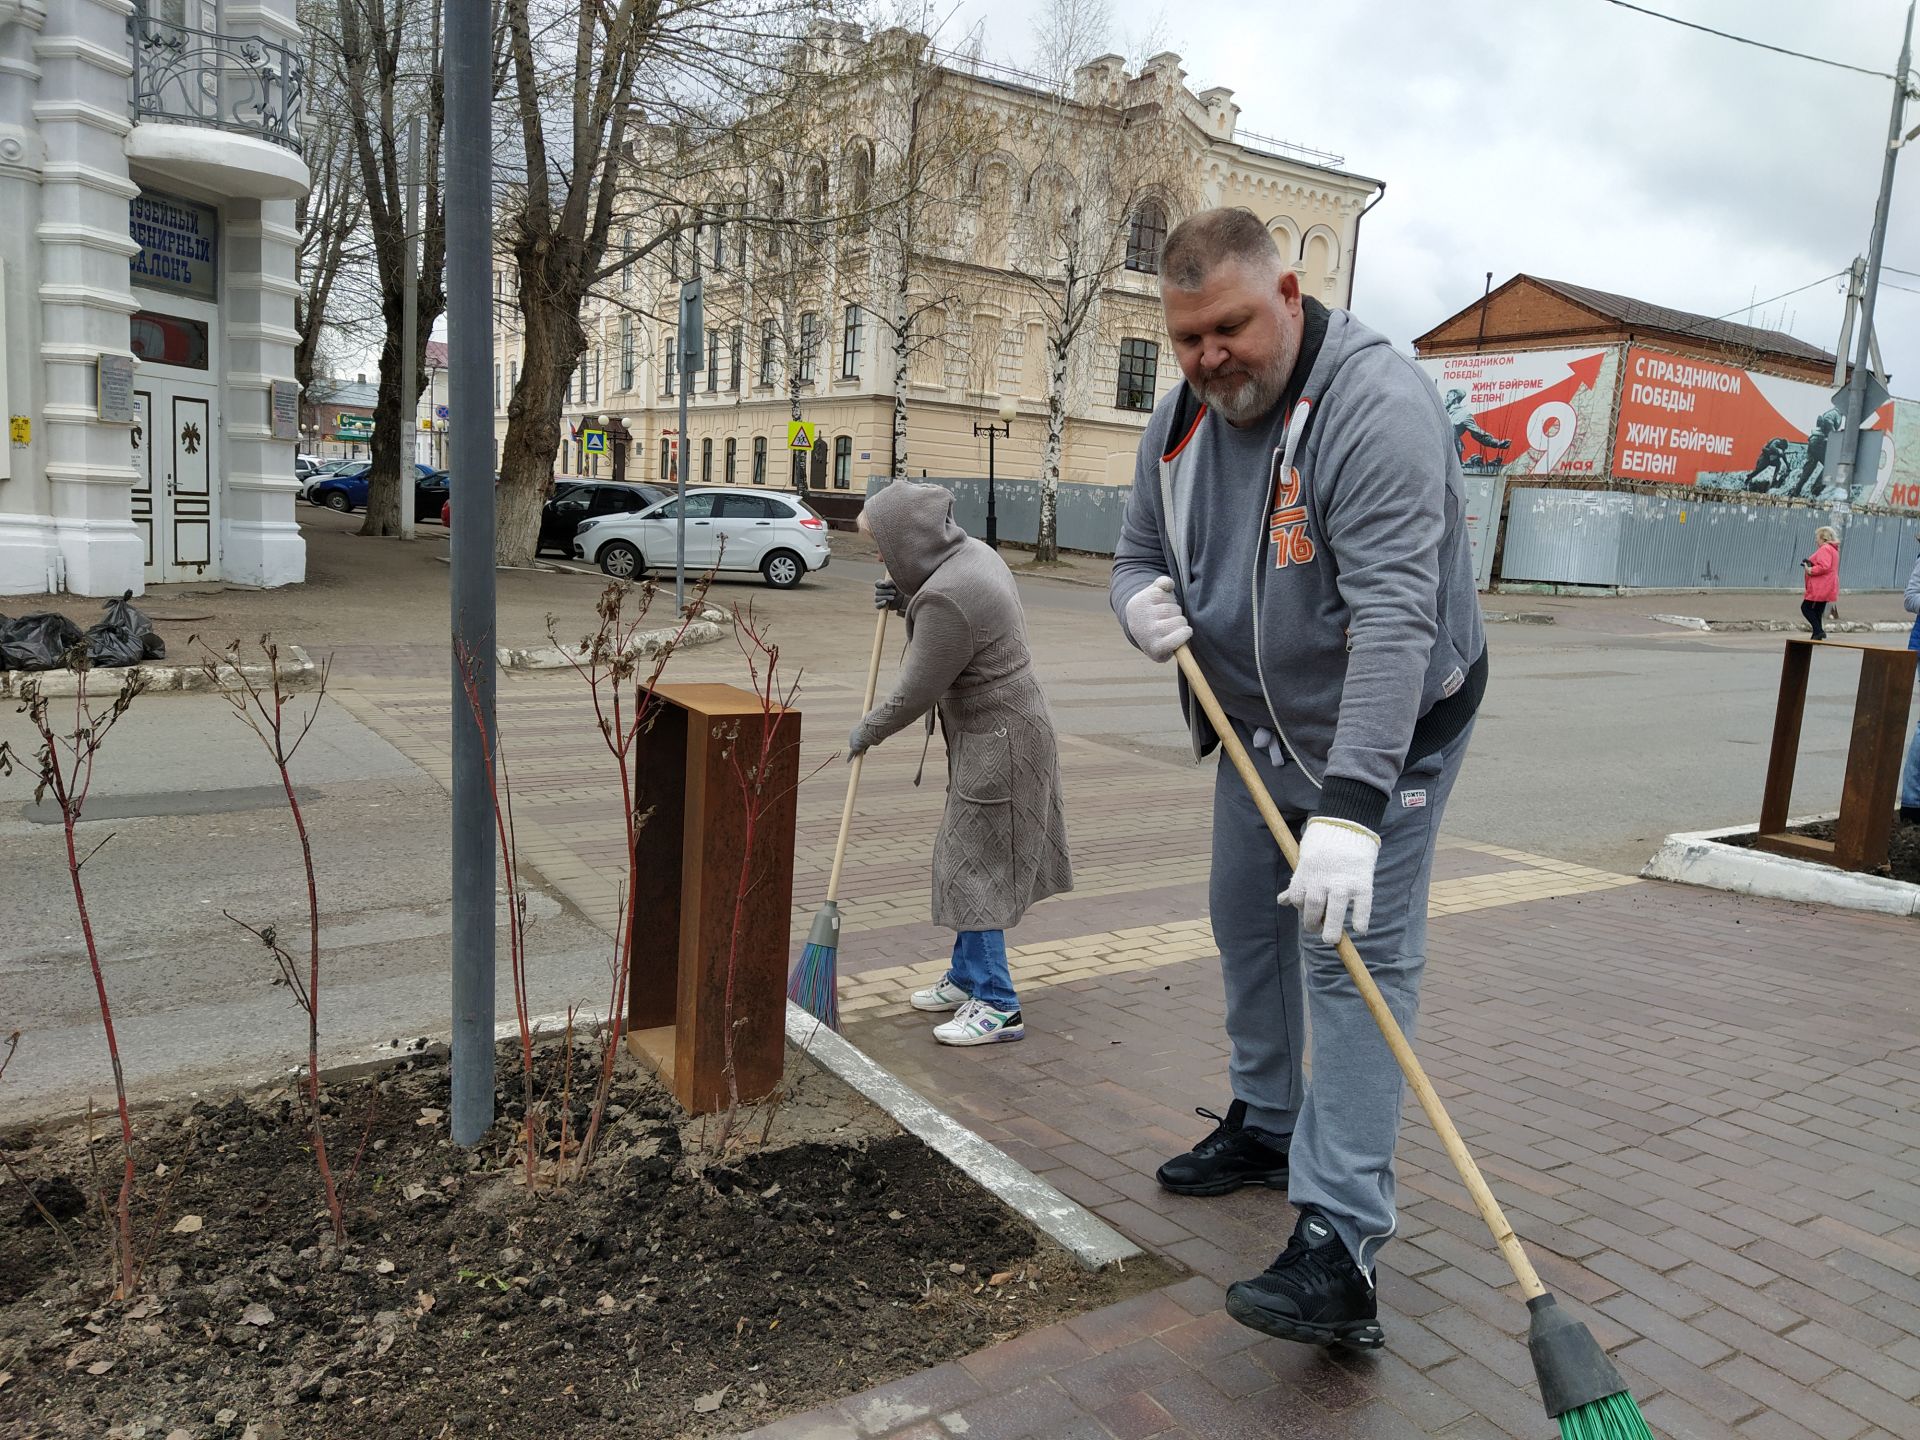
x=410, y=338
x=1856, y=283
x=1857, y=382
x=469, y=150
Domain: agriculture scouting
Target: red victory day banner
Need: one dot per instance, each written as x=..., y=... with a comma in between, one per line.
x=1686, y=421
x=1527, y=412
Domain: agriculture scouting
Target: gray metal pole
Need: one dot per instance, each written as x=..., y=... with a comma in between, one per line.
x=680, y=482
x=410, y=335
x=1857, y=383
x=469, y=151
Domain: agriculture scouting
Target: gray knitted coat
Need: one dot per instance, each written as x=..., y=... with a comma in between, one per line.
x=1002, y=844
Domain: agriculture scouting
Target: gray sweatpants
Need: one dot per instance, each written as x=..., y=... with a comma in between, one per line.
x=1344, y=1126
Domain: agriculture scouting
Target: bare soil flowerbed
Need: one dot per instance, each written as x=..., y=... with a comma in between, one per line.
x=1903, y=847
x=669, y=1292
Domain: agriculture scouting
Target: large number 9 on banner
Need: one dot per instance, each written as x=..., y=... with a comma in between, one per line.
x=1550, y=430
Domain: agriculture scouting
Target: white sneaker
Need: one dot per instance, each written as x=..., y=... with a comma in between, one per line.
x=944, y=996
x=978, y=1023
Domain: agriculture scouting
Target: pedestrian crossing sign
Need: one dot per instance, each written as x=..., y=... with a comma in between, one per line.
x=594, y=442
x=801, y=434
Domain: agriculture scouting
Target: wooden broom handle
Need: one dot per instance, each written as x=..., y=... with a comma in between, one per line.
x=853, y=770
x=1463, y=1161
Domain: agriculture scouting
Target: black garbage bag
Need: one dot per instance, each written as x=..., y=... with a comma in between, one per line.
x=125, y=636
x=37, y=642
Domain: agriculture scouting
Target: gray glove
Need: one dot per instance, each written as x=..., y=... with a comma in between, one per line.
x=857, y=743
x=1266, y=740
x=887, y=596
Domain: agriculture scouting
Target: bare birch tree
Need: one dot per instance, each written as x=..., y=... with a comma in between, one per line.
x=329, y=217
x=1125, y=148
x=384, y=57
x=926, y=140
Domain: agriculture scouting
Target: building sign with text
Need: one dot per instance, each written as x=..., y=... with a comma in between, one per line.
x=178, y=243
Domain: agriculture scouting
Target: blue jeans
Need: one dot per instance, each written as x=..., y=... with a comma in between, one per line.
x=1910, y=772
x=980, y=968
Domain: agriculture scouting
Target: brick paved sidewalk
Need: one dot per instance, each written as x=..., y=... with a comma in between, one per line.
x=1703, y=1114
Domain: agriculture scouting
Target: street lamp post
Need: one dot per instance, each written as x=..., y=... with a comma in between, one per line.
x=992, y=431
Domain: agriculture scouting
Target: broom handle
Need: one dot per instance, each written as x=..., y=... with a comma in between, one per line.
x=853, y=771
x=1490, y=1211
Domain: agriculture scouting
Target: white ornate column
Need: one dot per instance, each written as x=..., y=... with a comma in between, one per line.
x=29, y=559
x=261, y=542
x=83, y=113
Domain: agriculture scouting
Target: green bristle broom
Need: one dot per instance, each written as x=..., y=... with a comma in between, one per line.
x=815, y=983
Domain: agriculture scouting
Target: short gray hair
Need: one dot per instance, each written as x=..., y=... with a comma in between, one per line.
x=1203, y=242
x=1827, y=535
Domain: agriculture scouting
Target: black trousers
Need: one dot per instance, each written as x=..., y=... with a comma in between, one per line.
x=1815, y=611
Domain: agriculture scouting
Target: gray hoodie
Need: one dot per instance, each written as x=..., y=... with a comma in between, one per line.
x=1328, y=575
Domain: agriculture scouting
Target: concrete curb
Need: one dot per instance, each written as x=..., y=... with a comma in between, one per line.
x=297, y=672
x=1698, y=858
x=1027, y=573
x=1778, y=627
x=1093, y=1242
x=1518, y=617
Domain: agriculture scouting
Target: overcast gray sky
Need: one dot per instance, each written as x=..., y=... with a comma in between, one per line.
x=1576, y=140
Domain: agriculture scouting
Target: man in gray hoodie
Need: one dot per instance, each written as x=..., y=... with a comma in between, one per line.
x=1298, y=518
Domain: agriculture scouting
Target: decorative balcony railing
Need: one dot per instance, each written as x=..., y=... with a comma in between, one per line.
x=242, y=83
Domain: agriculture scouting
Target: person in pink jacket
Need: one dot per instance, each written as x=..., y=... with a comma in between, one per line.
x=1823, y=579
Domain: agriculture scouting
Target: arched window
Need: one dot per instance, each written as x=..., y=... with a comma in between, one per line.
x=776, y=211
x=1146, y=237
x=816, y=203
x=859, y=185
x=995, y=214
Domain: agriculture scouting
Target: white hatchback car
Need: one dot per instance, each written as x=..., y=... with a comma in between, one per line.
x=730, y=530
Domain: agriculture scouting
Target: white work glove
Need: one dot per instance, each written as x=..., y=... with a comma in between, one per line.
x=1266, y=740
x=1335, y=871
x=1155, y=622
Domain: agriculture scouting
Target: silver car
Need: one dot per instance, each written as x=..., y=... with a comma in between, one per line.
x=733, y=531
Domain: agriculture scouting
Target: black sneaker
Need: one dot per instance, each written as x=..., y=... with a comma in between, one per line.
x=1313, y=1292
x=1225, y=1160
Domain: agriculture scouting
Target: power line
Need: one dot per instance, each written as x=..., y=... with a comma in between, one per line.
x=1889, y=285
x=1757, y=44
x=1895, y=269
x=1757, y=304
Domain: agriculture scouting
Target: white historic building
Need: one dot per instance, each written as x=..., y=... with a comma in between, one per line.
x=149, y=165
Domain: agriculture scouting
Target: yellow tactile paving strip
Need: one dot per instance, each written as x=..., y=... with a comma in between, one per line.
x=1148, y=947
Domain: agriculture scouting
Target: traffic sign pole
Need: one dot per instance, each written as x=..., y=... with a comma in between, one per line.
x=692, y=318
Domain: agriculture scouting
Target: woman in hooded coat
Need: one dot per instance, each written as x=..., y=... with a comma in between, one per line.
x=1002, y=844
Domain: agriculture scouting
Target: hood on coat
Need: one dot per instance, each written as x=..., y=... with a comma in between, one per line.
x=915, y=530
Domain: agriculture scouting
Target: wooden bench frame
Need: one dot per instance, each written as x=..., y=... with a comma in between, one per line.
x=1874, y=756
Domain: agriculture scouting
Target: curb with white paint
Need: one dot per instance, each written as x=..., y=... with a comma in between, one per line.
x=1699, y=858
x=1782, y=627
x=712, y=625
x=297, y=672
x=1093, y=1242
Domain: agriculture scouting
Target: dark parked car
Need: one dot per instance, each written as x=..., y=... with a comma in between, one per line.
x=575, y=500
x=346, y=489
x=571, y=502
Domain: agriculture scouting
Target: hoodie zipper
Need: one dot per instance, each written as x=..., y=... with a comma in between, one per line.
x=1296, y=427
